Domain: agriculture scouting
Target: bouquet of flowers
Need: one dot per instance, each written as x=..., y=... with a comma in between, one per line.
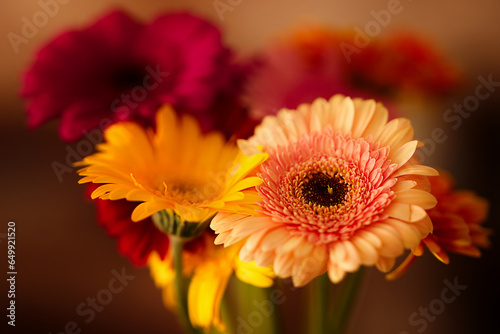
x=290, y=164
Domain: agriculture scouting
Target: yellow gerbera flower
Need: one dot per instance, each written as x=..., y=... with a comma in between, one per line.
x=210, y=268
x=177, y=169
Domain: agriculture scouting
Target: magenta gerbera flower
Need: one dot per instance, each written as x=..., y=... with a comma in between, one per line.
x=120, y=69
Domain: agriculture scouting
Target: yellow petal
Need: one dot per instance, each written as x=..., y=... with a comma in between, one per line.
x=343, y=114
x=406, y=212
x=205, y=293
x=363, y=116
x=144, y=210
x=417, y=170
x=378, y=120
x=250, y=273
x=418, y=197
x=404, y=153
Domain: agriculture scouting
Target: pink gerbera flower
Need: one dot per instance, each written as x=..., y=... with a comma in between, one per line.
x=120, y=69
x=339, y=190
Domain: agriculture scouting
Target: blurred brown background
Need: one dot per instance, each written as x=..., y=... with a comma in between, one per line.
x=63, y=257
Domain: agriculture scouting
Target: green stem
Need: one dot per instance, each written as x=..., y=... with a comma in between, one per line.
x=319, y=297
x=177, y=244
x=344, y=301
x=251, y=299
x=226, y=314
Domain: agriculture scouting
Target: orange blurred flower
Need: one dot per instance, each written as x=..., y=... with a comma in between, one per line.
x=456, y=220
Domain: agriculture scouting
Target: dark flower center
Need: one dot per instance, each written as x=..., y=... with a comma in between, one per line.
x=324, y=190
x=366, y=83
x=128, y=78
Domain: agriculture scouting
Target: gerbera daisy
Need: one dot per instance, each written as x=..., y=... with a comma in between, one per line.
x=297, y=68
x=339, y=191
x=210, y=268
x=176, y=168
x=457, y=220
x=120, y=69
x=310, y=62
x=404, y=62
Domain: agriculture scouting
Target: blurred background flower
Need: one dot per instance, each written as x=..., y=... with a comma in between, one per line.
x=317, y=61
x=64, y=256
x=134, y=240
x=457, y=224
x=121, y=69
